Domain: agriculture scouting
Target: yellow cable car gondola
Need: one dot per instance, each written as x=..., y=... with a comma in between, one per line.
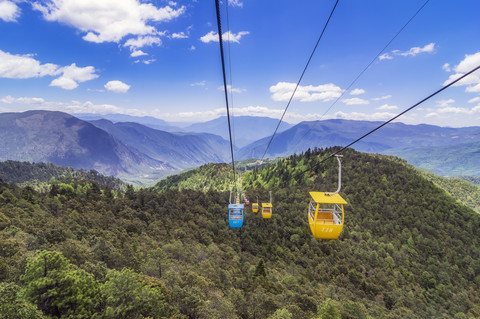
x=325, y=212
x=255, y=207
x=267, y=208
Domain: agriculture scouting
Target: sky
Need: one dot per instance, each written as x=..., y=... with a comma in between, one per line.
x=162, y=59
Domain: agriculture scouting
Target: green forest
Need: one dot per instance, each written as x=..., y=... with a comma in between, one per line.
x=81, y=248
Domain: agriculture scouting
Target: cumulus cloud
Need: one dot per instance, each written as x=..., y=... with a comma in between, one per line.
x=201, y=83
x=72, y=75
x=135, y=43
x=355, y=101
x=148, y=61
x=117, y=87
x=357, y=91
x=212, y=36
x=387, y=107
x=429, y=48
x=230, y=89
x=25, y=66
x=22, y=100
x=472, y=82
x=9, y=11
x=446, y=67
x=385, y=56
x=282, y=91
x=385, y=97
x=444, y=103
x=192, y=48
x=28, y=103
x=108, y=20
x=235, y=3
x=136, y=53
x=417, y=50
x=454, y=110
x=179, y=35
x=377, y=116
x=475, y=99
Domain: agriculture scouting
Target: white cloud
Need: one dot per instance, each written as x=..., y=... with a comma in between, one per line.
x=136, y=53
x=212, y=36
x=357, y=91
x=446, y=67
x=22, y=100
x=117, y=86
x=355, y=101
x=282, y=91
x=429, y=48
x=73, y=107
x=475, y=99
x=473, y=80
x=444, y=103
x=24, y=67
x=145, y=61
x=432, y=114
x=192, y=48
x=72, y=75
x=458, y=110
x=107, y=20
x=417, y=50
x=385, y=56
x=385, y=97
x=387, y=107
x=451, y=109
x=229, y=88
x=9, y=11
x=141, y=41
x=201, y=83
x=235, y=3
x=473, y=89
x=179, y=35
x=469, y=62
x=378, y=116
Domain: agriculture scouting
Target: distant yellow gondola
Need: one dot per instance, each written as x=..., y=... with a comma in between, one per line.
x=255, y=207
x=267, y=210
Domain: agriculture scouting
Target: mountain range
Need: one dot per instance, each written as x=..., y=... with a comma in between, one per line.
x=131, y=151
x=443, y=150
x=142, y=154
x=245, y=129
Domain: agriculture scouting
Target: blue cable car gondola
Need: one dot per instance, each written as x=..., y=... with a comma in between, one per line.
x=235, y=215
x=235, y=212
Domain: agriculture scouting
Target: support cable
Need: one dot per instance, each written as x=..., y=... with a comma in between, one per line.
x=299, y=80
x=368, y=66
x=407, y=110
x=220, y=40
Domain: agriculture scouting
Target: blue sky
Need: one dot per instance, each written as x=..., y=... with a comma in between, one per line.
x=161, y=58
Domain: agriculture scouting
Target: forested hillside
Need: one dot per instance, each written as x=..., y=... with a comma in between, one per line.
x=34, y=174
x=407, y=250
x=464, y=191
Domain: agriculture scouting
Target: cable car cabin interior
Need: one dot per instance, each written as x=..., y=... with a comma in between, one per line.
x=235, y=215
x=267, y=210
x=326, y=215
x=255, y=207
